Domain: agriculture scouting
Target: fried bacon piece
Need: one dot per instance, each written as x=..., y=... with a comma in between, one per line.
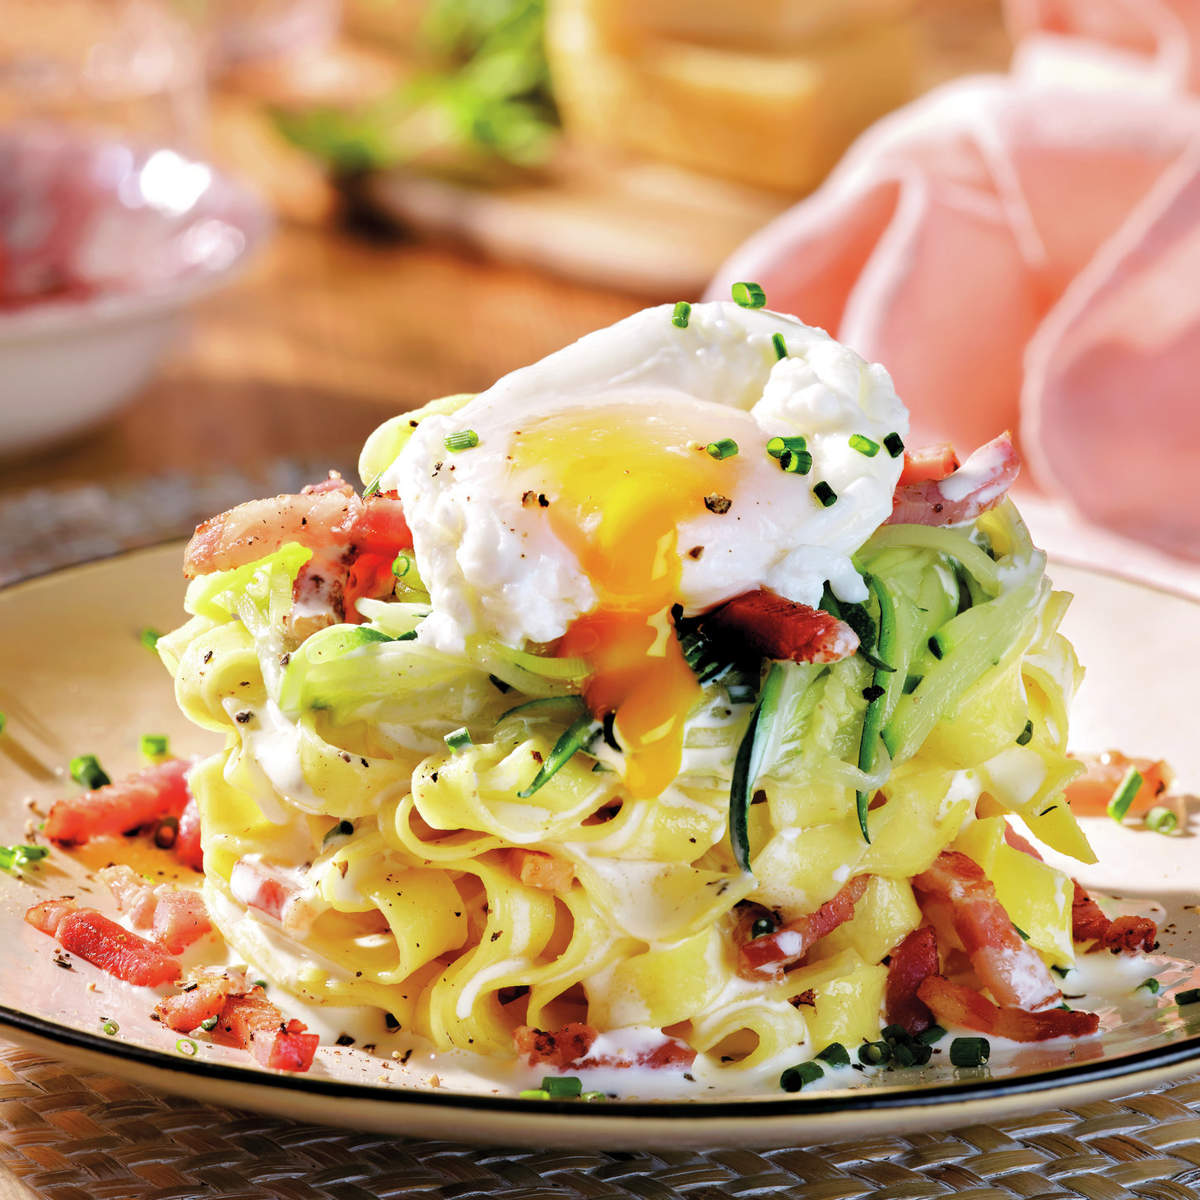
x=102, y=942
x=955, y=894
x=978, y=485
x=952, y=1004
x=187, y=846
x=120, y=807
x=176, y=916
x=929, y=464
x=1124, y=934
x=912, y=962
x=782, y=629
x=569, y=1046
x=1089, y=794
x=201, y=1001
x=774, y=952
x=537, y=869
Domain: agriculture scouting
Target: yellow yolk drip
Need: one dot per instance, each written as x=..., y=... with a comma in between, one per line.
x=620, y=481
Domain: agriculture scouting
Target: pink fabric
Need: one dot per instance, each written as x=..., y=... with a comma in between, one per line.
x=1024, y=253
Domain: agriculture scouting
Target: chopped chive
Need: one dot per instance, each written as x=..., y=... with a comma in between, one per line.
x=748, y=295
x=590, y=1097
x=533, y=1094
x=3, y=722
x=970, y=1051
x=930, y=1036
x=1190, y=996
x=154, y=745
x=459, y=739
x=401, y=565
x=681, y=315
x=794, y=1078
x=209, y=1023
x=1150, y=985
x=576, y=736
x=499, y=684
x=762, y=927
x=781, y=350
x=562, y=1087
x=874, y=1054
x=1061, y=972
x=372, y=488
x=111, y=1028
x=1024, y=935
x=1161, y=819
x=935, y=647
x=873, y=718
x=1026, y=734
x=835, y=1054
x=341, y=829
x=186, y=1046
x=86, y=770
x=464, y=439
x=795, y=462
x=864, y=445
x=778, y=446
x=911, y=1054
x=1122, y=798
x=149, y=638
x=824, y=493
x=894, y=444
x=15, y=857
x=894, y=1033
x=262, y=983
x=725, y=448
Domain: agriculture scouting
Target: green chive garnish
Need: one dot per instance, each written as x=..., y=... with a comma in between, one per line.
x=154, y=745
x=824, y=493
x=186, y=1046
x=780, y=345
x=464, y=439
x=795, y=462
x=401, y=565
x=593, y=1096
x=762, y=927
x=86, y=770
x=1150, y=985
x=1191, y=996
x=372, y=488
x=970, y=1051
x=835, y=1054
x=209, y=1023
x=562, y=1087
x=149, y=638
x=725, y=448
x=874, y=1054
x=894, y=445
x=794, y=1078
x=3, y=722
x=111, y=1028
x=576, y=736
x=894, y=1033
x=533, y=1094
x=1061, y=972
x=1161, y=819
x=1122, y=798
x=748, y=295
x=1024, y=935
x=1026, y=734
x=15, y=857
x=935, y=647
x=459, y=739
x=911, y=1054
x=864, y=445
x=683, y=311
x=778, y=446
x=930, y=1036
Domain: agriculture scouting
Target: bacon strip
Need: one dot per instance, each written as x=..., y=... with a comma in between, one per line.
x=929, y=464
x=537, y=869
x=92, y=936
x=568, y=1047
x=955, y=887
x=978, y=485
x=177, y=916
x=952, y=1004
x=1090, y=793
x=912, y=962
x=187, y=847
x=774, y=952
x=782, y=629
x=126, y=804
x=1124, y=934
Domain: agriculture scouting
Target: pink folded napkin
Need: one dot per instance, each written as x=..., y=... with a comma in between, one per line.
x=1023, y=251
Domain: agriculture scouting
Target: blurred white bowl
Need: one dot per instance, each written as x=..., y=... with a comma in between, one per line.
x=102, y=246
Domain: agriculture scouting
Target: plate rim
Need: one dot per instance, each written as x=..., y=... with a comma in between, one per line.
x=1159, y=1063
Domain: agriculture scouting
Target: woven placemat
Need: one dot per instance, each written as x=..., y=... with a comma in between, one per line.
x=72, y=1136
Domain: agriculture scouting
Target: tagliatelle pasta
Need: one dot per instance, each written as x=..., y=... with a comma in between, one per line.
x=413, y=814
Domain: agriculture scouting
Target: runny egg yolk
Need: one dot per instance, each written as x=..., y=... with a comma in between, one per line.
x=620, y=481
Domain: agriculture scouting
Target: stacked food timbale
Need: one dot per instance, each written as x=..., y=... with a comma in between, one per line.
x=655, y=706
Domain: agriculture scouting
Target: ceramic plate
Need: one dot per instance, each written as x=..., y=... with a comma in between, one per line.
x=76, y=679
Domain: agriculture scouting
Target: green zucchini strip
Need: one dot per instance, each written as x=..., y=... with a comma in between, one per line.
x=749, y=762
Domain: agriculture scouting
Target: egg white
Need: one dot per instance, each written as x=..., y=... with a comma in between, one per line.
x=492, y=563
